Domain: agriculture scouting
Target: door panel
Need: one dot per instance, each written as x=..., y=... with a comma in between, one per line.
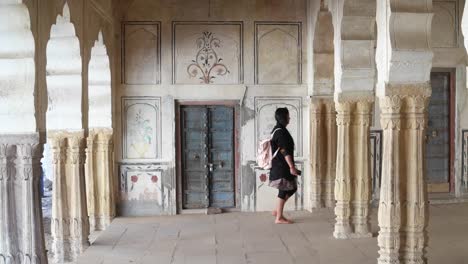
x=438, y=130
x=194, y=138
x=208, y=156
x=222, y=156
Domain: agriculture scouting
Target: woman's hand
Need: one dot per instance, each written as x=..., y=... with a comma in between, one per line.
x=294, y=171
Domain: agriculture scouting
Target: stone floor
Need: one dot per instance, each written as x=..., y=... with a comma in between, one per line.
x=239, y=238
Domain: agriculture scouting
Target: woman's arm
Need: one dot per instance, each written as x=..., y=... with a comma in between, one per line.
x=289, y=160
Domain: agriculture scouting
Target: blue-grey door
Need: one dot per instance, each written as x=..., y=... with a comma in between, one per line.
x=438, y=130
x=207, y=156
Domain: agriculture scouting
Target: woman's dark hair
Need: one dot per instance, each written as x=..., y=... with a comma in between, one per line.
x=281, y=116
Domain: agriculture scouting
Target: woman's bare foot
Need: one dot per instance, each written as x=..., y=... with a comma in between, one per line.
x=282, y=221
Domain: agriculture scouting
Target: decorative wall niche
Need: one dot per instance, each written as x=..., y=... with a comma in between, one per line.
x=265, y=108
x=207, y=52
x=445, y=24
x=141, y=53
x=145, y=189
x=278, y=53
x=141, y=122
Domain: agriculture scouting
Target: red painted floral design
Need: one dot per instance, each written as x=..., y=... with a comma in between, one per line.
x=154, y=178
x=134, y=178
x=263, y=178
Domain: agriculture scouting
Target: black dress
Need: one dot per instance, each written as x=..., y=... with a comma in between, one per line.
x=279, y=166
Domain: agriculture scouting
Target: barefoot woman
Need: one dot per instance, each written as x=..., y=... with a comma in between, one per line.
x=283, y=170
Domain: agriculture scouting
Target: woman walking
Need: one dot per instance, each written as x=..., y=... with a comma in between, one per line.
x=283, y=174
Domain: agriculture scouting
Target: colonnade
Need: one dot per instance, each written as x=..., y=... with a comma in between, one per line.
x=397, y=72
x=81, y=149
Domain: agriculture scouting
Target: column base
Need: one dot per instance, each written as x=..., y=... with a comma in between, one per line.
x=342, y=232
x=68, y=250
x=361, y=235
x=100, y=223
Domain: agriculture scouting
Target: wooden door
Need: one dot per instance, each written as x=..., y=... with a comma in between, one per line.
x=207, y=156
x=438, y=133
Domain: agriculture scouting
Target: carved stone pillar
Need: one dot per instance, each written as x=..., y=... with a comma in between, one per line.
x=316, y=133
x=328, y=183
x=322, y=152
x=70, y=226
x=352, y=185
x=343, y=177
x=22, y=235
x=99, y=179
x=361, y=183
x=403, y=197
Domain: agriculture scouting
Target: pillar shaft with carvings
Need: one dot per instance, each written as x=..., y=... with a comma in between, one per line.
x=323, y=152
x=99, y=179
x=403, y=201
x=353, y=178
x=70, y=224
x=343, y=172
x=362, y=177
x=20, y=202
x=328, y=182
x=316, y=134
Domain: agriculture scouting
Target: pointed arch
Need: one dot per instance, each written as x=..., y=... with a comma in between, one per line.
x=63, y=70
x=17, y=69
x=99, y=88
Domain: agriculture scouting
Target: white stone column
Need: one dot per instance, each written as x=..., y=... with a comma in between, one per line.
x=323, y=115
x=316, y=134
x=20, y=202
x=355, y=71
x=21, y=231
x=99, y=179
x=362, y=176
x=343, y=172
x=322, y=152
x=404, y=58
x=328, y=183
x=99, y=166
x=70, y=224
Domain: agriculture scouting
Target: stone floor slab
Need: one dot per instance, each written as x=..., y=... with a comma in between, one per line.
x=252, y=238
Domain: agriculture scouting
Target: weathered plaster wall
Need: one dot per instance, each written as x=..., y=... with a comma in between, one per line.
x=263, y=50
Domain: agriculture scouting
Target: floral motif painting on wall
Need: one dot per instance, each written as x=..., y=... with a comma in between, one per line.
x=207, y=65
x=141, y=128
x=207, y=52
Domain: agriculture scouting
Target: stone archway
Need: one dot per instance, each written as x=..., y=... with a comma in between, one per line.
x=20, y=150
x=65, y=136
